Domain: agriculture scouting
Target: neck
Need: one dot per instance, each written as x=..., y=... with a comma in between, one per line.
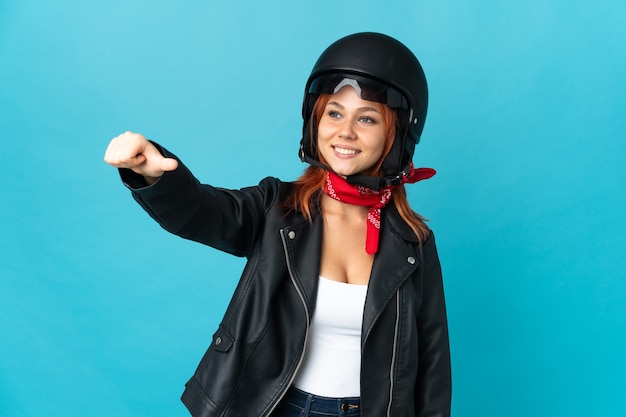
x=331, y=206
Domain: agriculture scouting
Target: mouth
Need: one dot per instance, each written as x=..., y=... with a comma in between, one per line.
x=345, y=151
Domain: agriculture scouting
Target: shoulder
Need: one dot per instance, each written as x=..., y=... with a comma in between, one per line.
x=276, y=185
x=275, y=189
x=275, y=194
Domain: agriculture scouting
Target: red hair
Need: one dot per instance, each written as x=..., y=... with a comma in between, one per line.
x=308, y=188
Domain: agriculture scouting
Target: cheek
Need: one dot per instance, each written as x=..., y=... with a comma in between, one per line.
x=323, y=131
x=380, y=142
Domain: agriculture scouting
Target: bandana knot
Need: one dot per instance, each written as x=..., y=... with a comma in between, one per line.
x=339, y=189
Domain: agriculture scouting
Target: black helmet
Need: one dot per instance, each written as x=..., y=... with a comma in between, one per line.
x=387, y=72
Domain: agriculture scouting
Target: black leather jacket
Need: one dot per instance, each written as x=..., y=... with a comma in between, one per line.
x=259, y=345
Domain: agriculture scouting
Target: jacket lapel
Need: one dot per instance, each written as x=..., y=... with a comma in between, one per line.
x=396, y=260
x=303, y=252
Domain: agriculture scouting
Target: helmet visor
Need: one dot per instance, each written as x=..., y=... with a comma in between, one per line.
x=367, y=88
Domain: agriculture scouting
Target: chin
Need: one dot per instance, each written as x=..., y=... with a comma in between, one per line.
x=343, y=170
x=344, y=173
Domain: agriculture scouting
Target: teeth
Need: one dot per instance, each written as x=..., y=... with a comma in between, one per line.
x=346, y=151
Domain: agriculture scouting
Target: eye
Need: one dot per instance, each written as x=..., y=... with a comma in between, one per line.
x=368, y=119
x=334, y=114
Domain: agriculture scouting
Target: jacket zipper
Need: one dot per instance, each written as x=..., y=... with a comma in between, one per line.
x=393, y=357
x=308, y=322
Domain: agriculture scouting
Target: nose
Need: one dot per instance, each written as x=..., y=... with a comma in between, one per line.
x=346, y=131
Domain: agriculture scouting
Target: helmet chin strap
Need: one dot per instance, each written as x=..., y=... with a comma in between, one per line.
x=373, y=183
x=377, y=184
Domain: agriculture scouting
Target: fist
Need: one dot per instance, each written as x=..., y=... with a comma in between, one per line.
x=133, y=151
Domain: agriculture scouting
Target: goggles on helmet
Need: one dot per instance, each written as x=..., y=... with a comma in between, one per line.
x=366, y=88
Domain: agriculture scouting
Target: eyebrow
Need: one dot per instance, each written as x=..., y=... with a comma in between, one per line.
x=365, y=108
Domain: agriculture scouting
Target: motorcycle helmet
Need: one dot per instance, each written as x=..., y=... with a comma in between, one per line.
x=381, y=69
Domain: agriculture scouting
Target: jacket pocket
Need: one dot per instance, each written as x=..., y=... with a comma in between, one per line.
x=222, y=340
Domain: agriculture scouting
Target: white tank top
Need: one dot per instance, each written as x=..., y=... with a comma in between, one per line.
x=332, y=359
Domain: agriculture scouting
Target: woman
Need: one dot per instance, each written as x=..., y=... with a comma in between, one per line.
x=340, y=308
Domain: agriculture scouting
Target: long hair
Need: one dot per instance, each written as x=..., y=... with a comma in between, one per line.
x=308, y=188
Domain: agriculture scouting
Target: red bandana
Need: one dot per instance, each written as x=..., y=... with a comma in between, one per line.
x=338, y=188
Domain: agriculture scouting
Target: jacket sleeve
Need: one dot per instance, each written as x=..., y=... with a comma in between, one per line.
x=434, y=381
x=228, y=220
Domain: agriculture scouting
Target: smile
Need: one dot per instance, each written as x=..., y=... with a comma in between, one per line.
x=344, y=151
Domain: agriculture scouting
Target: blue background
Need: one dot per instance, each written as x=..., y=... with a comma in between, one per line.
x=102, y=313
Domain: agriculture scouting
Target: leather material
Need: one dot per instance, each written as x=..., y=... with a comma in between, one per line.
x=258, y=347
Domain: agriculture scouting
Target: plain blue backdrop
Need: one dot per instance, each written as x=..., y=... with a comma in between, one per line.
x=102, y=313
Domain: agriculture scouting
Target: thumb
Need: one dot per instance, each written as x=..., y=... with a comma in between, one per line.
x=168, y=164
x=156, y=161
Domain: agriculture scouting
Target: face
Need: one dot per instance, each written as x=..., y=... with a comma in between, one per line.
x=351, y=133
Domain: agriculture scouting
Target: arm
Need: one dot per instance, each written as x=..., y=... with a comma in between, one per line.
x=433, y=388
x=225, y=219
